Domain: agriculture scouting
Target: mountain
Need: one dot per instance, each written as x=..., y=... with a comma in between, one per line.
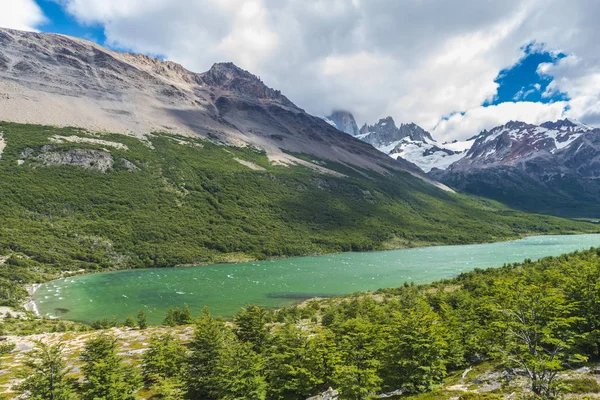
x=63, y=81
x=343, y=121
x=412, y=143
x=551, y=168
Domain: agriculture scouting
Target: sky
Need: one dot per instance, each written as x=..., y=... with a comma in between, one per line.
x=453, y=67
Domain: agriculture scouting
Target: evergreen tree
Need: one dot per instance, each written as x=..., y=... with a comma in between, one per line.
x=251, y=326
x=141, y=319
x=46, y=373
x=105, y=375
x=200, y=373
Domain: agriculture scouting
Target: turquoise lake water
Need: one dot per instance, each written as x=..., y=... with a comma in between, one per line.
x=224, y=288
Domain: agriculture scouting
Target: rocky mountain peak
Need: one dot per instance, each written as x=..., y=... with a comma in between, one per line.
x=343, y=121
x=566, y=125
x=416, y=133
x=229, y=76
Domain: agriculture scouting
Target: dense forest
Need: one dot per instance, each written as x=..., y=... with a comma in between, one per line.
x=533, y=320
x=81, y=202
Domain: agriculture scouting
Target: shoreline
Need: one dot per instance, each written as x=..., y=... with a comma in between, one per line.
x=30, y=303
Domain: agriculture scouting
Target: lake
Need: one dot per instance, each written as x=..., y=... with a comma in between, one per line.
x=224, y=288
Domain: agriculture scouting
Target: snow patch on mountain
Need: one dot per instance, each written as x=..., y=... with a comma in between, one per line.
x=409, y=142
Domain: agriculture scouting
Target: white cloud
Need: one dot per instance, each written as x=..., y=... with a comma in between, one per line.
x=479, y=118
x=20, y=14
x=414, y=60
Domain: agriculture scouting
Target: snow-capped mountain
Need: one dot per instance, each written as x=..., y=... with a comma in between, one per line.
x=550, y=168
x=412, y=143
x=514, y=141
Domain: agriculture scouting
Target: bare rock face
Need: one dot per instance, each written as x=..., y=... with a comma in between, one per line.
x=85, y=158
x=59, y=80
x=343, y=121
x=230, y=77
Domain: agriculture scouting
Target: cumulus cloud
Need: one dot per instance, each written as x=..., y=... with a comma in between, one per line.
x=415, y=60
x=479, y=118
x=20, y=14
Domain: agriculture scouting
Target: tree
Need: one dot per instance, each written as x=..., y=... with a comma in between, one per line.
x=360, y=344
x=130, y=322
x=46, y=373
x=200, y=372
x=105, y=375
x=535, y=322
x=416, y=349
x=177, y=316
x=294, y=365
x=239, y=372
x=164, y=359
x=141, y=317
x=251, y=326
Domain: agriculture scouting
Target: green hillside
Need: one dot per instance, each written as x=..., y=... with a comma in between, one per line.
x=172, y=200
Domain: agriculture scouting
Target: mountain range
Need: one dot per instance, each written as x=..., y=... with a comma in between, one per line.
x=405, y=142
x=551, y=168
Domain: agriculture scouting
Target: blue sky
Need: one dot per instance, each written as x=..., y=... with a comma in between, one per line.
x=58, y=21
x=521, y=82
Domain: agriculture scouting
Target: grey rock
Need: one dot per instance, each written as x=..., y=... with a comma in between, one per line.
x=329, y=394
x=129, y=165
x=344, y=121
x=85, y=158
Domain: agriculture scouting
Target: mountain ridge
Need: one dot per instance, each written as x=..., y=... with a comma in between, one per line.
x=53, y=79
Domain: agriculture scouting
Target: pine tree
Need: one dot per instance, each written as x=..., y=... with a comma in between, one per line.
x=105, y=375
x=46, y=373
x=142, y=323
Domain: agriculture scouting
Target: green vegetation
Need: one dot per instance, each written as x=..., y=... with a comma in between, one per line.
x=105, y=374
x=46, y=374
x=174, y=201
x=532, y=323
